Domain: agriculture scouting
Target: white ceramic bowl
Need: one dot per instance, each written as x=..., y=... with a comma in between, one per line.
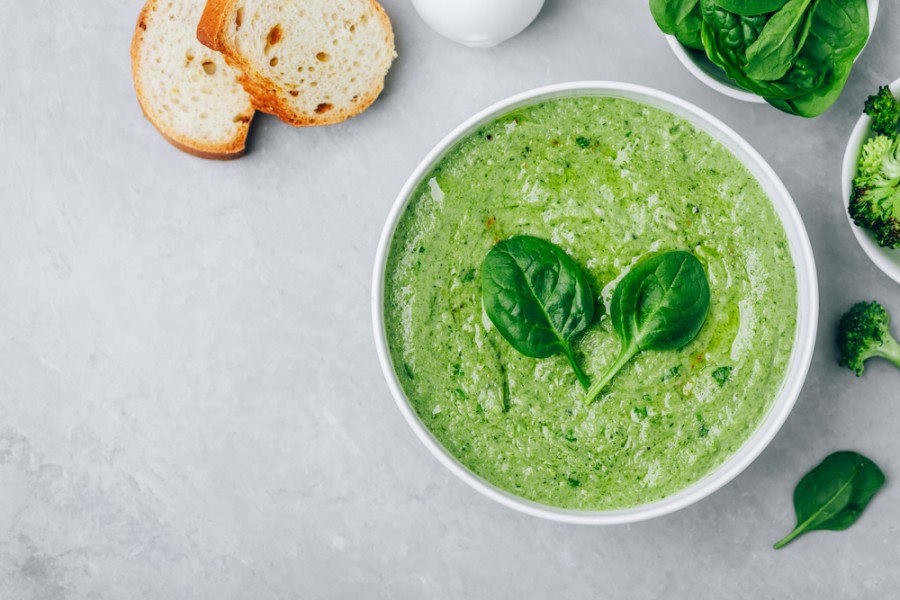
x=808, y=303
x=714, y=77
x=886, y=259
x=478, y=23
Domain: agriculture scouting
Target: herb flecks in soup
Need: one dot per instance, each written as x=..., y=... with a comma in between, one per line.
x=609, y=181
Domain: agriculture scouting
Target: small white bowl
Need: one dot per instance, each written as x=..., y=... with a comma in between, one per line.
x=807, y=302
x=478, y=23
x=714, y=77
x=886, y=259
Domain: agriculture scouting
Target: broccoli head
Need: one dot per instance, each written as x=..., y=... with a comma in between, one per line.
x=864, y=333
x=885, y=112
x=875, y=203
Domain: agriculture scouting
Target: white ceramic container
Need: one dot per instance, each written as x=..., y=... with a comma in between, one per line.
x=478, y=23
x=807, y=300
x=886, y=259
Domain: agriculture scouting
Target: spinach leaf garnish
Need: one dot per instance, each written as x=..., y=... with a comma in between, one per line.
x=537, y=297
x=661, y=304
x=834, y=494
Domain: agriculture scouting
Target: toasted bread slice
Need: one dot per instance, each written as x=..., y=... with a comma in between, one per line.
x=186, y=90
x=308, y=62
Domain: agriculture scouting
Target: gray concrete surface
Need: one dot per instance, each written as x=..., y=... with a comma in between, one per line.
x=190, y=402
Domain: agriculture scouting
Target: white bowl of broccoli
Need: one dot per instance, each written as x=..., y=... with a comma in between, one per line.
x=885, y=258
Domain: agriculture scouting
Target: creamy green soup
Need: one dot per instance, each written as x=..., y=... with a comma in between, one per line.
x=609, y=181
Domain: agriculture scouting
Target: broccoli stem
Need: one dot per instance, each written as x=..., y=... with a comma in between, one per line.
x=889, y=349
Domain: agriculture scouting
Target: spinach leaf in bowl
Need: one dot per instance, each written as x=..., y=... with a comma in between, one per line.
x=661, y=304
x=770, y=57
x=537, y=297
x=680, y=18
x=803, y=77
x=751, y=7
x=839, y=32
x=726, y=37
x=797, y=54
x=736, y=32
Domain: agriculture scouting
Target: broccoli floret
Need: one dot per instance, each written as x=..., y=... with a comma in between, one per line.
x=885, y=112
x=863, y=333
x=870, y=159
x=875, y=203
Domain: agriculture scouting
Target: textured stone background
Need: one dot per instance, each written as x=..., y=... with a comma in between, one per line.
x=190, y=402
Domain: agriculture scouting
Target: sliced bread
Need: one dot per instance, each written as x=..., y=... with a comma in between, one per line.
x=309, y=62
x=185, y=89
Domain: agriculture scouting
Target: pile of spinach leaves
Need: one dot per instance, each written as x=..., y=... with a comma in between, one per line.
x=797, y=54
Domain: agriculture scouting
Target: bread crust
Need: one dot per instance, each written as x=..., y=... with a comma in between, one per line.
x=212, y=24
x=232, y=149
x=264, y=94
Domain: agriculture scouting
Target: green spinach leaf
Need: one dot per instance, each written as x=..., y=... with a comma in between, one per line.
x=839, y=32
x=751, y=7
x=680, y=18
x=770, y=57
x=734, y=32
x=661, y=304
x=537, y=297
x=726, y=37
x=797, y=57
x=834, y=494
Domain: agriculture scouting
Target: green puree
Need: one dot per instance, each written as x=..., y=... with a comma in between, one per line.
x=608, y=180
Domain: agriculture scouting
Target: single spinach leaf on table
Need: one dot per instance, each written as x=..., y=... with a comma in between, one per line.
x=537, y=297
x=680, y=18
x=770, y=57
x=661, y=304
x=839, y=32
x=751, y=7
x=834, y=494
